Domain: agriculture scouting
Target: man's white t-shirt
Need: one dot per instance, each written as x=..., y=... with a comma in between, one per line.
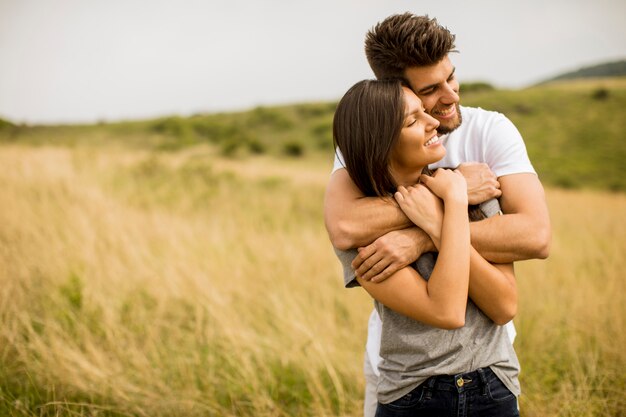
x=484, y=136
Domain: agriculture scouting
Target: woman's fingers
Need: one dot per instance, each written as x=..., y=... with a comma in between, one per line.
x=400, y=194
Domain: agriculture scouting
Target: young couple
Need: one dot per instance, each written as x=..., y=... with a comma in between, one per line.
x=444, y=288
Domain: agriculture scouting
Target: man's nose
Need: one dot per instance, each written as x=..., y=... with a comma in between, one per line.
x=450, y=94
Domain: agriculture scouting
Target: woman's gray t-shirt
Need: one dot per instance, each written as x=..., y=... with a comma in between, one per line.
x=412, y=351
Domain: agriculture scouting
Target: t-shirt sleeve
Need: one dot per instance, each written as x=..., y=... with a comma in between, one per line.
x=505, y=151
x=339, y=162
x=346, y=257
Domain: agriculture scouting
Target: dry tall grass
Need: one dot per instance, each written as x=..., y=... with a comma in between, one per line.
x=155, y=284
x=572, y=309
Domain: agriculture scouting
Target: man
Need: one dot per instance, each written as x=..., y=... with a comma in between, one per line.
x=416, y=49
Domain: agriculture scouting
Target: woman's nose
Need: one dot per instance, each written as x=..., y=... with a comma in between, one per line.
x=432, y=122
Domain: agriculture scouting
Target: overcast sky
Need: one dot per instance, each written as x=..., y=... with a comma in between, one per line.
x=89, y=60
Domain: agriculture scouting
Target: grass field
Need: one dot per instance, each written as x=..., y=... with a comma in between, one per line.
x=141, y=282
x=572, y=130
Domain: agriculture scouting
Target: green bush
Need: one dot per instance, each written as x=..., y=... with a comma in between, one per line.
x=315, y=109
x=256, y=147
x=322, y=132
x=229, y=148
x=212, y=130
x=474, y=87
x=5, y=124
x=293, y=148
x=600, y=94
x=175, y=128
x=269, y=118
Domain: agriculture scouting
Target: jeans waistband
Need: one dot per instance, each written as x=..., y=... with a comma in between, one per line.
x=461, y=382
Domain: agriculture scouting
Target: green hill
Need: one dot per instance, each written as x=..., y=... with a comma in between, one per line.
x=572, y=130
x=607, y=69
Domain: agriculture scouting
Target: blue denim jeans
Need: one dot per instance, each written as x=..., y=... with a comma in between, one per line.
x=473, y=394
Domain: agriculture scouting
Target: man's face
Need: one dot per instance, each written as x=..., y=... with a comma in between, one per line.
x=438, y=89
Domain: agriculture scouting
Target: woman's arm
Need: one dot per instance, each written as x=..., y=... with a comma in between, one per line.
x=441, y=301
x=406, y=293
x=492, y=287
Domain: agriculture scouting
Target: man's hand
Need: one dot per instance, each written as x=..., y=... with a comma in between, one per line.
x=390, y=253
x=482, y=184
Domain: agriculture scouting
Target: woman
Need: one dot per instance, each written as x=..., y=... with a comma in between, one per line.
x=441, y=352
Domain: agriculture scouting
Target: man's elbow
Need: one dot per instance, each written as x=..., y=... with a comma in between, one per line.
x=340, y=236
x=543, y=241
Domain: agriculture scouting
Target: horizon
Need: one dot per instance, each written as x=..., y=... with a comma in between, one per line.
x=77, y=62
x=287, y=104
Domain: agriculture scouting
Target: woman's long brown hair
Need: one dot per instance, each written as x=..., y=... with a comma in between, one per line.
x=366, y=126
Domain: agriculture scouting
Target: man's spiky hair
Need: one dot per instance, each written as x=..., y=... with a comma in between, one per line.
x=405, y=40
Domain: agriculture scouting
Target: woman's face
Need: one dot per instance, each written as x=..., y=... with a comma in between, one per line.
x=418, y=144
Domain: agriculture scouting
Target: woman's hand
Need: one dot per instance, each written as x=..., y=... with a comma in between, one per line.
x=423, y=207
x=448, y=185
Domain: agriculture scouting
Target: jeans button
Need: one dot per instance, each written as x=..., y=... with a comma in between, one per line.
x=459, y=382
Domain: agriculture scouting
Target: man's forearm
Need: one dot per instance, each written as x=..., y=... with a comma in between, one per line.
x=523, y=232
x=353, y=220
x=391, y=252
x=361, y=222
x=510, y=238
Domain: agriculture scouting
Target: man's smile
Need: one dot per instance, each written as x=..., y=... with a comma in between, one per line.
x=445, y=113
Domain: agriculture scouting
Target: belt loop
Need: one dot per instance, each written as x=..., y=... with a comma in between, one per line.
x=483, y=380
x=429, y=386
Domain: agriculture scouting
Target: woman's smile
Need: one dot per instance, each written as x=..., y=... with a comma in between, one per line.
x=433, y=141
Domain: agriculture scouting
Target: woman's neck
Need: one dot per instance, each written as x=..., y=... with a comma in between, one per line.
x=407, y=178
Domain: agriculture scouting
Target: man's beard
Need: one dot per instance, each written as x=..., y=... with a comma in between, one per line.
x=442, y=130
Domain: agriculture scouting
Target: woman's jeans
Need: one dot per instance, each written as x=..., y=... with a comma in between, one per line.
x=473, y=394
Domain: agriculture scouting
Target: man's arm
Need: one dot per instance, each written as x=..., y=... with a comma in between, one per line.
x=390, y=253
x=353, y=220
x=374, y=225
x=523, y=232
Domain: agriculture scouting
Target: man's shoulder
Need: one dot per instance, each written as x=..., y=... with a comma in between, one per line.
x=478, y=114
x=478, y=121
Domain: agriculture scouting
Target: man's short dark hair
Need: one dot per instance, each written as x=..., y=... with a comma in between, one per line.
x=405, y=40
